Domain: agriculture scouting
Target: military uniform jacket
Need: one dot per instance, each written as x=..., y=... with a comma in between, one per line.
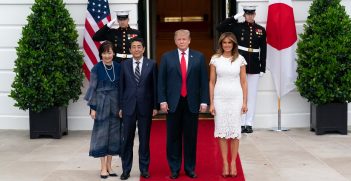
x=120, y=38
x=252, y=37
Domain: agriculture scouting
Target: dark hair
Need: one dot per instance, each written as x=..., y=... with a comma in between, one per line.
x=104, y=47
x=138, y=39
x=232, y=38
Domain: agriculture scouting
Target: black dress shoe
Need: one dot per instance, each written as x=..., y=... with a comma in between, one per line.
x=249, y=129
x=145, y=174
x=124, y=176
x=174, y=175
x=191, y=174
x=243, y=129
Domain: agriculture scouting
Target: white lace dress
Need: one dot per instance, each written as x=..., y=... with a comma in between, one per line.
x=228, y=97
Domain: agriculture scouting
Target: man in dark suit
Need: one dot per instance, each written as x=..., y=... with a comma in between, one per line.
x=182, y=94
x=138, y=103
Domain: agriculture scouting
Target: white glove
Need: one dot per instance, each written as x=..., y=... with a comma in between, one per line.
x=109, y=24
x=238, y=15
x=261, y=74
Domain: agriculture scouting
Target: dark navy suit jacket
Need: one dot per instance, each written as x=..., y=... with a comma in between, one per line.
x=170, y=80
x=143, y=94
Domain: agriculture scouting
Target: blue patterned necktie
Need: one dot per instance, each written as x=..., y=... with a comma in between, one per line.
x=137, y=72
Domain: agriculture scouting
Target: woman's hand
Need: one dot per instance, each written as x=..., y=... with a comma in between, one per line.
x=93, y=114
x=244, y=109
x=212, y=110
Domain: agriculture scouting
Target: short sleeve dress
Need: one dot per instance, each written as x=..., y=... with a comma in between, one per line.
x=228, y=97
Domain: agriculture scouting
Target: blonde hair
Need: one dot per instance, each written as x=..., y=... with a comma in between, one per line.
x=232, y=38
x=182, y=32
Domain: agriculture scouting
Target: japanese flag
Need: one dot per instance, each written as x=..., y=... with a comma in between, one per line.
x=281, y=45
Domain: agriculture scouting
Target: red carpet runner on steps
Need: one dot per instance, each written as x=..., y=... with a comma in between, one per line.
x=209, y=162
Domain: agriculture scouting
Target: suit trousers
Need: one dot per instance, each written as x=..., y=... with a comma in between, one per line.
x=144, y=126
x=182, y=130
x=252, y=84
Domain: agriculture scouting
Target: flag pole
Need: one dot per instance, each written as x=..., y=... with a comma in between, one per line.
x=279, y=128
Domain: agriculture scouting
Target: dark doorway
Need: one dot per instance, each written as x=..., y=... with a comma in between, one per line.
x=158, y=19
x=198, y=16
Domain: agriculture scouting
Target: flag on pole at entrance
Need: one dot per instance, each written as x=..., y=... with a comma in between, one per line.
x=281, y=45
x=97, y=15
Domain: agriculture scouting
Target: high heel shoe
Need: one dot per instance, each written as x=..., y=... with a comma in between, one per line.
x=233, y=171
x=225, y=172
x=225, y=175
x=103, y=176
x=111, y=173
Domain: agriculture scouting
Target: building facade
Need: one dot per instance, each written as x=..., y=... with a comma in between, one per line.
x=13, y=14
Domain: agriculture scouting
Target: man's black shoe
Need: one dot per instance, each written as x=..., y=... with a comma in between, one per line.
x=191, y=174
x=174, y=175
x=124, y=176
x=243, y=129
x=249, y=129
x=145, y=174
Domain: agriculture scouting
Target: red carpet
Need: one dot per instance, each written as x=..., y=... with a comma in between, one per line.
x=209, y=161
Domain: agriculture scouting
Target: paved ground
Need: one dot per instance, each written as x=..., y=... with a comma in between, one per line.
x=295, y=155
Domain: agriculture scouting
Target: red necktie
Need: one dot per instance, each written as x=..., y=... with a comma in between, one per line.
x=183, y=69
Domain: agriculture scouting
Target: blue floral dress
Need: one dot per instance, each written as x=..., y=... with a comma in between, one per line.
x=102, y=96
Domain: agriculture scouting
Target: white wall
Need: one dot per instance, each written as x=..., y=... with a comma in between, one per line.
x=13, y=14
x=295, y=109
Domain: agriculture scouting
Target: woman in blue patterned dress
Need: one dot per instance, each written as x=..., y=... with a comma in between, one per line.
x=102, y=97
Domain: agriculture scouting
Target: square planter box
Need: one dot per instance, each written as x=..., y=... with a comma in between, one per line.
x=329, y=118
x=50, y=122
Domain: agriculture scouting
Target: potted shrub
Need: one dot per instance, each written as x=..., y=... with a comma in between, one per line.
x=48, y=68
x=324, y=65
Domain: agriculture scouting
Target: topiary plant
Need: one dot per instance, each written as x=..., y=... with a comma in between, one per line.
x=324, y=54
x=49, y=64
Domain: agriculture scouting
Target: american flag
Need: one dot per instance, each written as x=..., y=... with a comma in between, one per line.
x=97, y=15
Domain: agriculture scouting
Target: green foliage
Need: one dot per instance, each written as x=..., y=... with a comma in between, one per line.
x=49, y=64
x=324, y=54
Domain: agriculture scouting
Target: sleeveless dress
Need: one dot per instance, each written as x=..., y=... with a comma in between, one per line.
x=228, y=97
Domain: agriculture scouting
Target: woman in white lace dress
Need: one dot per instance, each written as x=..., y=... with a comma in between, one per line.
x=228, y=98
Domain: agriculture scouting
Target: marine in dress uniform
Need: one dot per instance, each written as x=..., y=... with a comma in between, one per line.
x=252, y=46
x=119, y=37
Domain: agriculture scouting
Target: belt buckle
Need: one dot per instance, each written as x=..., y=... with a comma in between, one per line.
x=250, y=49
